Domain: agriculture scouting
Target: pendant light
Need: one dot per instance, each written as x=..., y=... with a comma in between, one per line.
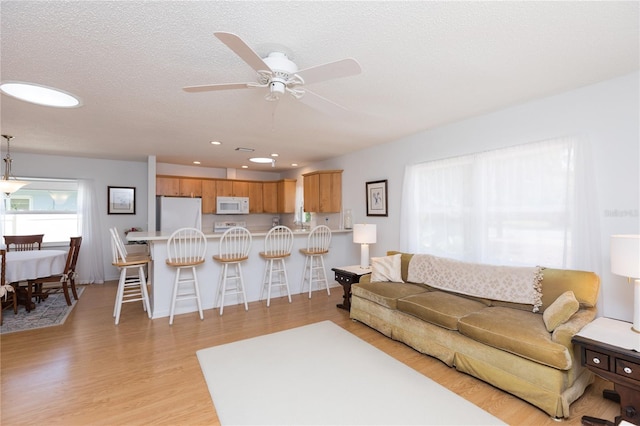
x=9, y=184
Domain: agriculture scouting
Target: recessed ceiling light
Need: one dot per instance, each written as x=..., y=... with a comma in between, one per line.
x=294, y=164
x=261, y=160
x=39, y=94
x=196, y=162
x=216, y=143
x=274, y=155
x=245, y=167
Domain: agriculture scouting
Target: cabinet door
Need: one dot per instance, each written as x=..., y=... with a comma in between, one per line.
x=240, y=188
x=255, y=197
x=190, y=187
x=311, y=193
x=208, y=196
x=287, y=196
x=224, y=188
x=270, y=197
x=167, y=186
x=330, y=193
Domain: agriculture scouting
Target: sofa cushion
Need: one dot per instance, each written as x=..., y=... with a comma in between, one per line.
x=519, y=332
x=404, y=263
x=585, y=286
x=386, y=268
x=438, y=307
x=560, y=311
x=385, y=293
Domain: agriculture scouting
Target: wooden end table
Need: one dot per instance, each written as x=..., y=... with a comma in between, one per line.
x=347, y=275
x=609, y=348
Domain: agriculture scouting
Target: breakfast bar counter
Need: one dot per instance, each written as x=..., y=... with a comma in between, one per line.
x=161, y=276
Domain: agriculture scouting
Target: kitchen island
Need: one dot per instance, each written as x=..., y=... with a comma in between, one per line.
x=342, y=251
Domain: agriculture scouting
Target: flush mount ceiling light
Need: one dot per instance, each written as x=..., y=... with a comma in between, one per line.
x=39, y=94
x=261, y=160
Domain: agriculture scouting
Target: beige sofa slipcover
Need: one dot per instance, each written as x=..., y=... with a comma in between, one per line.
x=504, y=344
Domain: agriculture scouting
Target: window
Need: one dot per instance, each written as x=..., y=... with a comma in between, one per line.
x=513, y=206
x=48, y=207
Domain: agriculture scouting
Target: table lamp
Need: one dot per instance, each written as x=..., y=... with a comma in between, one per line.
x=364, y=234
x=625, y=261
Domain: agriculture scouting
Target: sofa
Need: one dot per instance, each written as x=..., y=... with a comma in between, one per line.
x=528, y=354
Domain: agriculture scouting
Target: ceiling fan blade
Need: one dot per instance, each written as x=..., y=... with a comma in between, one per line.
x=331, y=70
x=243, y=50
x=211, y=87
x=321, y=104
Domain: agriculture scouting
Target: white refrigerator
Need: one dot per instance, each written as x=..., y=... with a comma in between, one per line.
x=178, y=212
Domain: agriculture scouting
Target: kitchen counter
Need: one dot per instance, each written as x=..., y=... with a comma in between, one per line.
x=342, y=251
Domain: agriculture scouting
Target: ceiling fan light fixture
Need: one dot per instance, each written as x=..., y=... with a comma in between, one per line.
x=40, y=95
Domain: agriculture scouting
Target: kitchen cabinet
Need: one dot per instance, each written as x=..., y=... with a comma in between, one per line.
x=240, y=188
x=270, y=197
x=323, y=191
x=286, y=196
x=169, y=186
x=190, y=187
x=209, y=187
x=255, y=191
x=224, y=188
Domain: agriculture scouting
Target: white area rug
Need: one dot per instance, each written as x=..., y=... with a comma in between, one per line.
x=322, y=374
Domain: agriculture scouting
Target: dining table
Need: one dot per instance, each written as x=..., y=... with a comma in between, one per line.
x=31, y=264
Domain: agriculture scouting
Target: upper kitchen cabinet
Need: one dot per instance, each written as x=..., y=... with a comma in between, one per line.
x=209, y=188
x=323, y=191
x=270, y=197
x=190, y=187
x=173, y=186
x=255, y=190
x=287, y=196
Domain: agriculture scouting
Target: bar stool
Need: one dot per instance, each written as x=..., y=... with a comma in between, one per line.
x=317, y=246
x=130, y=288
x=277, y=247
x=235, y=244
x=186, y=249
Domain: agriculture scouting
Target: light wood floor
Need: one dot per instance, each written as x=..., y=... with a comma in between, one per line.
x=91, y=372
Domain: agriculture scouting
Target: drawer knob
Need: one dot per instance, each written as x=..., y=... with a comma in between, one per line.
x=596, y=360
x=628, y=370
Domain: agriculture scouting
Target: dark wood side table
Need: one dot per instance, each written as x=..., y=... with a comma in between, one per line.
x=347, y=275
x=610, y=348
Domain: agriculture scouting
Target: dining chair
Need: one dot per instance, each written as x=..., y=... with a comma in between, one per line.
x=235, y=244
x=130, y=288
x=42, y=287
x=317, y=246
x=23, y=242
x=277, y=247
x=6, y=289
x=186, y=249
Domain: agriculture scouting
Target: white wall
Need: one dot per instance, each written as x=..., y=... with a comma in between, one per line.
x=607, y=114
x=104, y=173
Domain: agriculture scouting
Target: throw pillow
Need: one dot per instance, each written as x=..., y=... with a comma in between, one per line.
x=560, y=310
x=386, y=268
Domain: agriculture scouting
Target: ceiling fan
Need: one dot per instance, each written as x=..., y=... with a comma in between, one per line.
x=280, y=75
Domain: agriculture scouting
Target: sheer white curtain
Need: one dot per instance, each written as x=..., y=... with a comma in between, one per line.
x=90, y=262
x=531, y=204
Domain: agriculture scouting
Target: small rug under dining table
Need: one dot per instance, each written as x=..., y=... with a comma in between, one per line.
x=322, y=374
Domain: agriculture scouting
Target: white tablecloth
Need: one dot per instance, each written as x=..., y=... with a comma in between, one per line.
x=31, y=264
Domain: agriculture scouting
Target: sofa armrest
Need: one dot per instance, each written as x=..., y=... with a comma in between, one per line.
x=565, y=332
x=365, y=278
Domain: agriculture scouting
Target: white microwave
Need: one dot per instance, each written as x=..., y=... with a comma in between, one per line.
x=232, y=205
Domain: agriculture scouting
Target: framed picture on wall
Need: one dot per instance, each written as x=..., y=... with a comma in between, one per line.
x=121, y=200
x=377, y=198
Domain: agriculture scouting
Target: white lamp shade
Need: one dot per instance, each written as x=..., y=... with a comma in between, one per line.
x=625, y=255
x=10, y=186
x=364, y=233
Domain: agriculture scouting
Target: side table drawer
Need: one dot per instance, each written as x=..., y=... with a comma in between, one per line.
x=344, y=279
x=628, y=369
x=597, y=360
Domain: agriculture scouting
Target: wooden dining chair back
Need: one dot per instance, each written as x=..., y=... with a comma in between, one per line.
x=278, y=244
x=314, y=271
x=186, y=249
x=23, y=242
x=42, y=287
x=131, y=288
x=235, y=245
x=7, y=292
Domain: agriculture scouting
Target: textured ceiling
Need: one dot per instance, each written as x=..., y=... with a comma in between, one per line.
x=424, y=64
